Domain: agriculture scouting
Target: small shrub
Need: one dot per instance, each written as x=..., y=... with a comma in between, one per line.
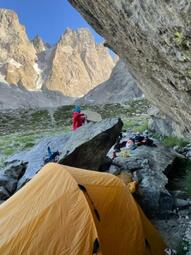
x=130, y=124
x=179, y=38
x=136, y=124
x=142, y=127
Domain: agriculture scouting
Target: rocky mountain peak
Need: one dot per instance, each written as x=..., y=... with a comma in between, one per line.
x=79, y=64
x=8, y=16
x=75, y=65
x=13, y=36
x=80, y=38
x=17, y=54
x=39, y=44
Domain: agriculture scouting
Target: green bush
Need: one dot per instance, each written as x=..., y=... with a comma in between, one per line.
x=142, y=127
x=136, y=124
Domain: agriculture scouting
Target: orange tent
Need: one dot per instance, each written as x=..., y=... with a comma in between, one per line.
x=70, y=211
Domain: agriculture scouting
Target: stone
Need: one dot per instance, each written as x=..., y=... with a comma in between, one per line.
x=180, y=194
x=4, y=194
x=129, y=164
x=35, y=157
x=16, y=170
x=182, y=203
x=188, y=154
x=178, y=149
x=86, y=148
x=149, y=36
x=172, y=230
x=163, y=124
x=149, y=166
x=8, y=183
x=187, y=238
x=114, y=170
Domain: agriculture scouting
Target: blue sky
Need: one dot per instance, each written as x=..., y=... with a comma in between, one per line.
x=47, y=18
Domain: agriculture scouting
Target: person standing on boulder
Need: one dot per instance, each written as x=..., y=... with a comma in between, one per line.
x=78, y=118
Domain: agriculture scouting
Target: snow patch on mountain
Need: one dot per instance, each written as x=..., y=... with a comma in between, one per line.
x=39, y=81
x=13, y=62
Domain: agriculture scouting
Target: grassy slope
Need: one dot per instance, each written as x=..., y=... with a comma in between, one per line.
x=20, y=130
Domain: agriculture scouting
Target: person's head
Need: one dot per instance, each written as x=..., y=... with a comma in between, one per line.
x=77, y=108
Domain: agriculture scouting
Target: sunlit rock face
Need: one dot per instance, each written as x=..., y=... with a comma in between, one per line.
x=17, y=54
x=78, y=63
x=39, y=44
x=73, y=66
x=154, y=37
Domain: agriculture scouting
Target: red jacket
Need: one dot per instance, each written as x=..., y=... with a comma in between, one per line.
x=78, y=120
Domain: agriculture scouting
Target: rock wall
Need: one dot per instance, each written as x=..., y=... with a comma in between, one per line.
x=154, y=38
x=164, y=125
x=120, y=87
x=17, y=54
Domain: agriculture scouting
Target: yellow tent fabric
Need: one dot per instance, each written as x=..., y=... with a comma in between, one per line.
x=70, y=211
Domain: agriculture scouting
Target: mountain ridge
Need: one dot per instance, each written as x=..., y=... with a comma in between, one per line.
x=73, y=66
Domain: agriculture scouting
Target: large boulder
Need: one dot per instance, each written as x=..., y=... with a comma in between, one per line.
x=8, y=183
x=163, y=124
x=4, y=194
x=16, y=170
x=154, y=38
x=9, y=179
x=86, y=147
x=149, y=166
x=35, y=157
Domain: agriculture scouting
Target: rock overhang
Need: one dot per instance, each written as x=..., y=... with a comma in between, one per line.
x=153, y=38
